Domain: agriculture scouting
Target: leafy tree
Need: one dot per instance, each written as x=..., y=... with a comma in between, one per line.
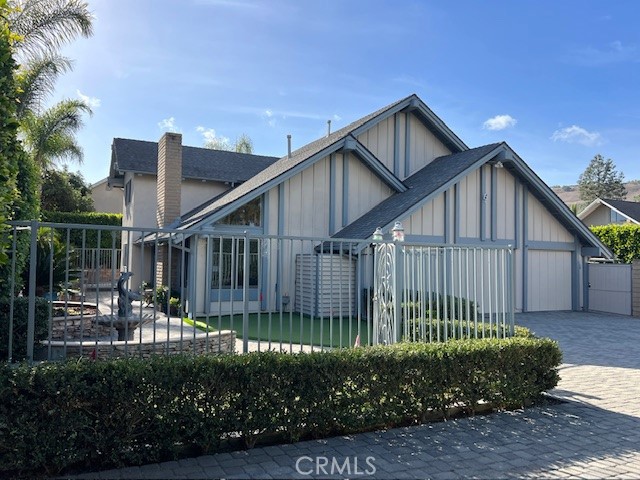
x=243, y=144
x=601, y=180
x=64, y=191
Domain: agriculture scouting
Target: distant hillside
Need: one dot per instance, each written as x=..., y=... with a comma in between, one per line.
x=570, y=193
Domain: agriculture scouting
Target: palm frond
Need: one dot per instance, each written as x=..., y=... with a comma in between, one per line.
x=36, y=81
x=46, y=25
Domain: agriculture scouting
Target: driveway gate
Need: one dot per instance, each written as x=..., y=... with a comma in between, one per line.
x=610, y=288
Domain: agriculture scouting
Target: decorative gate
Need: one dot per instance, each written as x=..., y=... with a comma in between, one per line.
x=386, y=305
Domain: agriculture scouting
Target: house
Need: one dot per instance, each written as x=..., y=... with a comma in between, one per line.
x=399, y=164
x=603, y=211
x=105, y=198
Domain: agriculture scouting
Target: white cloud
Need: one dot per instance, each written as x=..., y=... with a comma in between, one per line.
x=576, y=134
x=614, y=52
x=209, y=135
x=499, y=122
x=336, y=117
x=168, y=124
x=268, y=113
x=91, y=102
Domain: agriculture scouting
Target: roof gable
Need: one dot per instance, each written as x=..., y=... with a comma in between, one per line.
x=305, y=156
x=630, y=210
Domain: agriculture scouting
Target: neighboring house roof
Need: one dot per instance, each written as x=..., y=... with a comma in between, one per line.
x=100, y=183
x=306, y=155
x=435, y=177
x=140, y=156
x=630, y=210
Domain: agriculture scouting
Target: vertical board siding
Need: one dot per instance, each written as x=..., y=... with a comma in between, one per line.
x=470, y=200
x=542, y=226
x=379, y=140
x=424, y=147
x=505, y=208
x=366, y=190
x=549, y=280
x=428, y=220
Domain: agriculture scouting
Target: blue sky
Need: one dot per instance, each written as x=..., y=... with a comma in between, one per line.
x=558, y=80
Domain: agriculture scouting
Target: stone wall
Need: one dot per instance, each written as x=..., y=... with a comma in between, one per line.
x=214, y=343
x=78, y=327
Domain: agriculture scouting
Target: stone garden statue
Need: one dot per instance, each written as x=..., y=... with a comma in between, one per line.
x=126, y=296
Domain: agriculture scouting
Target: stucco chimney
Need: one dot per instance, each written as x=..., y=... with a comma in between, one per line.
x=169, y=178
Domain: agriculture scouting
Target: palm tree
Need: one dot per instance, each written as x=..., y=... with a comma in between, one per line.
x=46, y=25
x=43, y=27
x=50, y=136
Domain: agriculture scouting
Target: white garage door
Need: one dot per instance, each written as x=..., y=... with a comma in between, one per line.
x=549, y=286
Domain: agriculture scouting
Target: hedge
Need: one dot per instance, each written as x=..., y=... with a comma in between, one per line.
x=622, y=240
x=108, y=238
x=20, y=310
x=85, y=414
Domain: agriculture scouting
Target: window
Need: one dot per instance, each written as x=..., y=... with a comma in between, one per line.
x=228, y=263
x=128, y=192
x=249, y=214
x=617, y=218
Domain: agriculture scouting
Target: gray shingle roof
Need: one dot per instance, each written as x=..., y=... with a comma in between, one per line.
x=421, y=184
x=199, y=163
x=630, y=209
x=282, y=166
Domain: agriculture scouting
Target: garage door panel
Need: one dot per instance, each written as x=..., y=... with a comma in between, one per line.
x=549, y=280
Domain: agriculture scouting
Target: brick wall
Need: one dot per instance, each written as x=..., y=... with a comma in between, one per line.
x=169, y=183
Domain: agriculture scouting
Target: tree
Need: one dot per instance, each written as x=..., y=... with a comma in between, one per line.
x=50, y=137
x=64, y=191
x=243, y=144
x=601, y=180
x=43, y=27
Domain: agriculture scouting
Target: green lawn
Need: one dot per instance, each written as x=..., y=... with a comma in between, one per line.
x=292, y=327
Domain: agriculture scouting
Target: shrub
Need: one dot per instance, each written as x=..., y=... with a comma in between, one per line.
x=20, y=311
x=108, y=238
x=622, y=240
x=95, y=414
x=443, y=330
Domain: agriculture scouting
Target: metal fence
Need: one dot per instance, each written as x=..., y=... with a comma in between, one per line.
x=240, y=291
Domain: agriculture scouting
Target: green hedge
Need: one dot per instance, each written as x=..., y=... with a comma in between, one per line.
x=443, y=330
x=89, y=415
x=622, y=240
x=20, y=310
x=107, y=238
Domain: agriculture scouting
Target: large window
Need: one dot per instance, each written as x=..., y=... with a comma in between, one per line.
x=227, y=262
x=249, y=214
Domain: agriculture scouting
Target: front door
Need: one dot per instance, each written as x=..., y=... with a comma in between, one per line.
x=228, y=269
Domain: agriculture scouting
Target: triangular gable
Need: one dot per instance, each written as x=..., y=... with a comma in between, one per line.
x=629, y=210
x=304, y=157
x=443, y=173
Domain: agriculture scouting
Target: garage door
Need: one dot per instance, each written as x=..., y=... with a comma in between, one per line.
x=549, y=285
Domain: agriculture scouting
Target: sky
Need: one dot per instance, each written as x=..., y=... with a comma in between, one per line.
x=559, y=81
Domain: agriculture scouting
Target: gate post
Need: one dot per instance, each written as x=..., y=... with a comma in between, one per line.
x=31, y=312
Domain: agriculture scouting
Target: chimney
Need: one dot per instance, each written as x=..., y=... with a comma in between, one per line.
x=289, y=146
x=169, y=178
x=169, y=182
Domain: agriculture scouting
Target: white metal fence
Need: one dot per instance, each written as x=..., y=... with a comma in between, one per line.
x=212, y=292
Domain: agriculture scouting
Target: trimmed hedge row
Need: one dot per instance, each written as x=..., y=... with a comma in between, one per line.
x=421, y=329
x=107, y=238
x=20, y=316
x=622, y=240
x=83, y=414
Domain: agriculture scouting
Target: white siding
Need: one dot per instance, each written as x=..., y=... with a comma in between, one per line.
x=366, y=190
x=505, y=204
x=549, y=282
x=600, y=216
x=470, y=200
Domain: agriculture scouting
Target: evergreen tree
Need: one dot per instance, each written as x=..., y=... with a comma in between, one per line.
x=601, y=180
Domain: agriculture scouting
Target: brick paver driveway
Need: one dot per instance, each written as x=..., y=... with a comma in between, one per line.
x=595, y=434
